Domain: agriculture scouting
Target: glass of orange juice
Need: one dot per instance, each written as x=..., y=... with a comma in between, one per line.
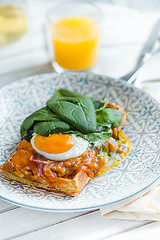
x=75, y=35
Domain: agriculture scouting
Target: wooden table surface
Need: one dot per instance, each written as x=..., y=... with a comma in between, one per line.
x=124, y=32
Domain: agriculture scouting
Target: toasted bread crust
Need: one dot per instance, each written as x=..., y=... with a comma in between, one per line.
x=71, y=186
x=61, y=185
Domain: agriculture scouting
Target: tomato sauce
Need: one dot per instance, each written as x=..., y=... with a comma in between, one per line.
x=37, y=164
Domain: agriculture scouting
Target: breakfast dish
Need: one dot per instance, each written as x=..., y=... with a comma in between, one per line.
x=68, y=142
x=140, y=168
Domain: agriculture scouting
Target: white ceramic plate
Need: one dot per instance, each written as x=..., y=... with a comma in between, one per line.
x=139, y=170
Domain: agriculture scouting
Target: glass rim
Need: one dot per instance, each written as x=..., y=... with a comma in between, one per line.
x=73, y=1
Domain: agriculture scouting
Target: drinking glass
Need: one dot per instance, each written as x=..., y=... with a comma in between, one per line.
x=75, y=35
x=13, y=20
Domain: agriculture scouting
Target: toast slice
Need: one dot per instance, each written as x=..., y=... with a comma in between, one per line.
x=66, y=186
x=31, y=172
x=25, y=166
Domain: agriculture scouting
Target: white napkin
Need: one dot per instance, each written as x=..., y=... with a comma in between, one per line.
x=143, y=206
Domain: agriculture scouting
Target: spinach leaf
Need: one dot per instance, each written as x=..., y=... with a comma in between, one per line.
x=92, y=137
x=41, y=115
x=27, y=136
x=104, y=135
x=66, y=93
x=77, y=133
x=109, y=116
x=46, y=128
x=97, y=104
x=101, y=107
x=103, y=128
x=73, y=113
x=75, y=109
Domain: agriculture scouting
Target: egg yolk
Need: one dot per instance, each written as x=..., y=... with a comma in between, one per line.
x=55, y=143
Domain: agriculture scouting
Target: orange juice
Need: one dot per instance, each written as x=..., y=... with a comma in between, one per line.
x=76, y=42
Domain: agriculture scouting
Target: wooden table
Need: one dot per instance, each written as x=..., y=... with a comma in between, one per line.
x=124, y=32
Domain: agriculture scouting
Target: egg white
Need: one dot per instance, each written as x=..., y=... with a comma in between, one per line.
x=79, y=147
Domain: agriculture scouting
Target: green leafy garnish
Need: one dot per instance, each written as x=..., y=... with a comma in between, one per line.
x=43, y=116
x=109, y=116
x=102, y=106
x=104, y=135
x=73, y=113
x=77, y=133
x=75, y=109
x=97, y=104
x=93, y=137
x=66, y=93
x=47, y=128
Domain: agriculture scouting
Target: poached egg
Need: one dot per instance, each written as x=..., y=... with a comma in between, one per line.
x=59, y=147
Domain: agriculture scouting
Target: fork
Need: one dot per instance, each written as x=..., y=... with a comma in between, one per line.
x=146, y=53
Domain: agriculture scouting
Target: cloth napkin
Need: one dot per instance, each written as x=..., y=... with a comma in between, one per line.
x=142, y=206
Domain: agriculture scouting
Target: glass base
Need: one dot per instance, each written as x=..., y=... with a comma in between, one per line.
x=57, y=68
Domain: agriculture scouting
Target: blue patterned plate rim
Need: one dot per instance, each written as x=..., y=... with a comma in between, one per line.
x=73, y=72
x=77, y=209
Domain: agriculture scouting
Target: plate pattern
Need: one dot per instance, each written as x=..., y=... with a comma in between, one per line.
x=136, y=172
